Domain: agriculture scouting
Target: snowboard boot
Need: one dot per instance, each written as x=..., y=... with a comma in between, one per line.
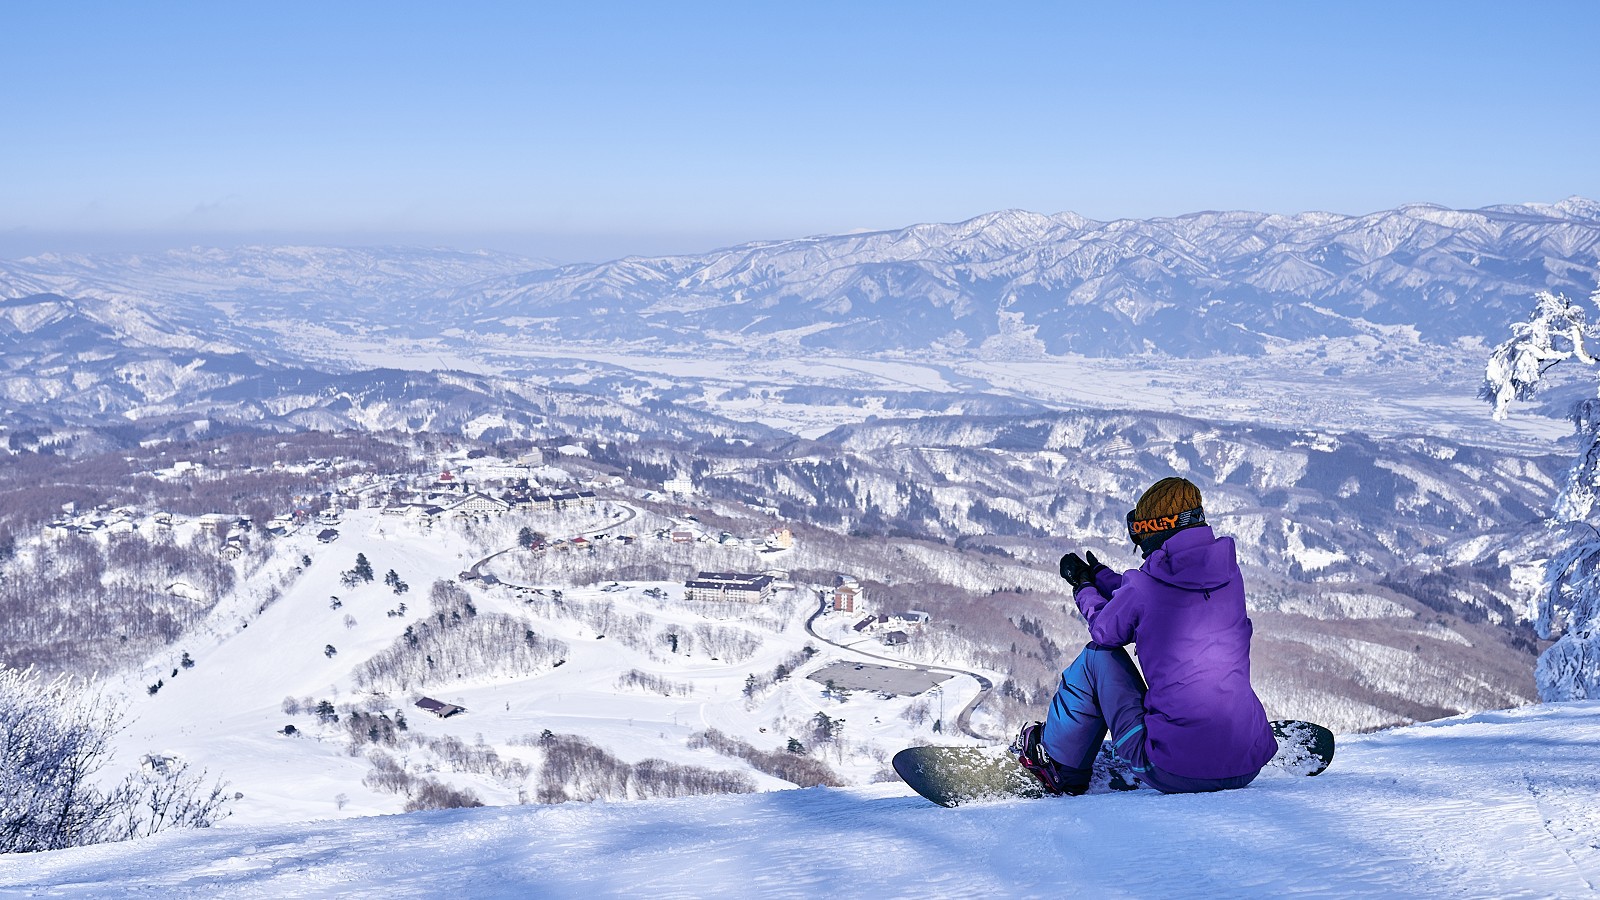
x=1030, y=752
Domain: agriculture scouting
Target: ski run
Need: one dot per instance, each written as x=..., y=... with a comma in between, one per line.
x=1497, y=804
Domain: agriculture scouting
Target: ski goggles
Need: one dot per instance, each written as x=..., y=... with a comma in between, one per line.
x=1139, y=529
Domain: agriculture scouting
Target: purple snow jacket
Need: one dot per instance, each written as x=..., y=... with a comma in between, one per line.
x=1185, y=610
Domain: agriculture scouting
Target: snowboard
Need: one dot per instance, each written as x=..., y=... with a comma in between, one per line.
x=951, y=776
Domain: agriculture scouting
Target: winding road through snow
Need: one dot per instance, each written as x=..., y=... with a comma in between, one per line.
x=963, y=718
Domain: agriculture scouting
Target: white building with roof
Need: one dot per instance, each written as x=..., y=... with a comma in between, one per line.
x=726, y=586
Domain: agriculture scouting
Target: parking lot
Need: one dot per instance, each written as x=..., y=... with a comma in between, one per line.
x=882, y=679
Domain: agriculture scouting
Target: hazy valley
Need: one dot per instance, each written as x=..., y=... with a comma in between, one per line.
x=935, y=413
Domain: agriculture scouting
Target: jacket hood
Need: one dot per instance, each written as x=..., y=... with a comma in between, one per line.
x=1194, y=559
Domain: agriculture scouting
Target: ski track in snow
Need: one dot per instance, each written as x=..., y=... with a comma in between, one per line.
x=1499, y=804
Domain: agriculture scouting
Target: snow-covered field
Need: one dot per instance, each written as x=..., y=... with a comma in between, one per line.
x=226, y=713
x=1499, y=804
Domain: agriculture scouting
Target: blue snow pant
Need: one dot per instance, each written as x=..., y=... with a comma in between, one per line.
x=1102, y=689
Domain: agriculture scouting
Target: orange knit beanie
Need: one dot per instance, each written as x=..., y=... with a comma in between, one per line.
x=1167, y=497
x=1171, y=504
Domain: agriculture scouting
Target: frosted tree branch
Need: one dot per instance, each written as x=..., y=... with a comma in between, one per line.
x=1554, y=333
x=1569, y=604
x=55, y=738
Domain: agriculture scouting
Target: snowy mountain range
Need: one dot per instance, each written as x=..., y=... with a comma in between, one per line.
x=237, y=335
x=1202, y=284
x=1195, y=285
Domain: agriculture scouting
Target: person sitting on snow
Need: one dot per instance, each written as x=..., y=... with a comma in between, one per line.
x=1197, y=725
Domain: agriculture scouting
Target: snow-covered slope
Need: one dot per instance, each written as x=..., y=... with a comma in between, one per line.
x=1499, y=804
x=632, y=668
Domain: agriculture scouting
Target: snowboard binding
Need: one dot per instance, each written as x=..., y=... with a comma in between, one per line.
x=1029, y=749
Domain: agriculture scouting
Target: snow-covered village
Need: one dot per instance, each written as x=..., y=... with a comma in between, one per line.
x=729, y=450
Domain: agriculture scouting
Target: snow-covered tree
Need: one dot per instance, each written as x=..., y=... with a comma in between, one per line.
x=1555, y=332
x=55, y=738
x=1569, y=600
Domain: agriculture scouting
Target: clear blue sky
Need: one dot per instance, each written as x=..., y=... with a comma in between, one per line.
x=586, y=130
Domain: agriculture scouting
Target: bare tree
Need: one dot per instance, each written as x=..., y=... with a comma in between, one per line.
x=55, y=738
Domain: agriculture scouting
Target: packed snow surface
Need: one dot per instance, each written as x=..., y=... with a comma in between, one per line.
x=1499, y=804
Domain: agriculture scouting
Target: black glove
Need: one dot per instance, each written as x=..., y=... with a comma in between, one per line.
x=1077, y=572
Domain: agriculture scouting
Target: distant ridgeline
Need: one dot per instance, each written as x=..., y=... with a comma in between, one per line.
x=108, y=350
x=1191, y=285
x=1195, y=285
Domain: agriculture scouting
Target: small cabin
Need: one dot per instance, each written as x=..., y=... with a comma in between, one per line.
x=439, y=708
